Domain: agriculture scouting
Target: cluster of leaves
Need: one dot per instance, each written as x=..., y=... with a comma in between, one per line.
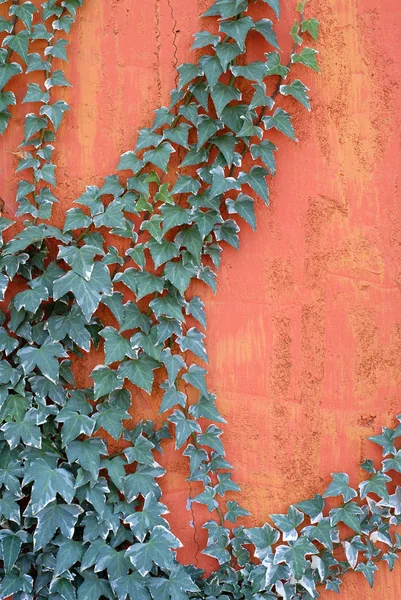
x=78, y=522
x=25, y=39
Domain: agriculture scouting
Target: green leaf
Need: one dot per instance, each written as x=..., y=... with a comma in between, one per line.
x=235, y=511
x=265, y=27
x=106, y=381
x=207, y=497
x=307, y=57
x=256, y=179
x=368, y=569
x=275, y=5
x=294, y=556
x=55, y=112
x=244, y=206
x=174, y=586
x=145, y=520
x=340, y=487
x=184, y=427
x=313, y=507
x=171, y=397
x=35, y=94
x=156, y=550
x=24, y=12
x=68, y=554
x=87, y=293
x=10, y=547
x=223, y=95
x=18, y=43
x=75, y=218
x=80, y=259
x=298, y=90
x=141, y=452
x=179, y=275
x=143, y=482
x=94, y=588
x=311, y=26
x=274, y=66
x=13, y=582
x=45, y=358
x=226, y=8
x=211, y=66
x=264, y=150
x=288, y=523
x=260, y=97
x=350, y=514
x=168, y=306
x=87, y=454
x=71, y=324
x=203, y=39
x=47, y=483
x=178, y=134
x=57, y=79
x=139, y=372
x=110, y=418
x=58, y=50
x=7, y=71
x=237, y=29
x=36, y=63
x=206, y=128
x=376, y=485
x=227, y=52
x=116, y=346
x=196, y=377
x=193, y=341
x=132, y=586
x=255, y=71
x=31, y=299
x=211, y=438
x=33, y=124
x=160, y=156
x=173, y=216
x=262, y=538
x=55, y=516
x=187, y=72
x=133, y=318
x=129, y=161
x=281, y=121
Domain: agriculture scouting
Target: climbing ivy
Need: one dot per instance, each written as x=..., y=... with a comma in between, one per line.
x=77, y=521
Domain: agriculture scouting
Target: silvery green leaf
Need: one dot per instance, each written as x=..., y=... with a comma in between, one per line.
x=237, y=29
x=256, y=179
x=35, y=94
x=340, y=486
x=368, y=569
x=47, y=483
x=265, y=27
x=288, y=523
x=207, y=497
x=352, y=548
x=57, y=79
x=281, y=121
x=273, y=65
x=298, y=90
x=106, y=381
x=223, y=95
x=307, y=57
x=156, y=550
x=187, y=72
x=178, y=134
x=376, y=484
x=55, y=516
x=227, y=52
x=19, y=43
x=171, y=397
x=160, y=156
x=204, y=38
x=139, y=371
x=206, y=128
x=254, y=71
x=275, y=5
x=350, y=514
x=211, y=66
x=179, y=275
x=33, y=124
x=294, y=556
x=58, y=50
x=311, y=26
x=184, y=427
x=244, y=206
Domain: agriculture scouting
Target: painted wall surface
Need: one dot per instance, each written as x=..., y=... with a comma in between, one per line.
x=304, y=334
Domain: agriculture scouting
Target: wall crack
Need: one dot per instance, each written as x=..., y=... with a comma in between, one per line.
x=175, y=35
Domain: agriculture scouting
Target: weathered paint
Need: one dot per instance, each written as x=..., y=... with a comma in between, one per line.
x=304, y=333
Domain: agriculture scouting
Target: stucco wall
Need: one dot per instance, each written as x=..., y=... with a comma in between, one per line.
x=304, y=334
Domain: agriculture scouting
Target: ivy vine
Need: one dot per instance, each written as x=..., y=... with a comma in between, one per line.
x=76, y=521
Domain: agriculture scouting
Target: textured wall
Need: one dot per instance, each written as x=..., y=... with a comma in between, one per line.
x=304, y=333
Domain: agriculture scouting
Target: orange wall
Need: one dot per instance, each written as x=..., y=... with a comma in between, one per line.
x=304, y=333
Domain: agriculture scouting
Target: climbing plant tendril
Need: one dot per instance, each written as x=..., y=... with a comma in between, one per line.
x=77, y=521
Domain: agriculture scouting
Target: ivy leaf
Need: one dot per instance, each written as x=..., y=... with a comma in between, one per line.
x=307, y=57
x=24, y=12
x=193, y=341
x=110, y=418
x=174, y=587
x=160, y=156
x=340, y=487
x=254, y=71
x=129, y=161
x=298, y=90
x=195, y=307
x=244, y=206
x=171, y=397
x=71, y=324
x=58, y=50
x=294, y=556
x=178, y=134
x=207, y=497
x=145, y=520
x=47, y=483
x=185, y=185
x=235, y=511
x=237, y=29
x=206, y=128
x=226, y=8
x=87, y=293
x=45, y=358
x=31, y=299
x=264, y=150
x=260, y=97
x=211, y=438
x=106, y=381
x=281, y=121
x=139, y=371
x=275, y=5
x=368, y=569
x=36, y=63
x=57, y=79
x=226, y=53
x=156, y=550
x=55, y=112
x=323, y=532
x=68, y=554
x=211, y=66
x=80, y=259
x=87, y=454
x=173, y=216
x=35, y=94
x=179, y=275
x=184, y=427
x=222, y=95
x=386, y=440
x=313, y=507
x=94, y=588
x=7, y=71
x=116, y=346
x=187, y=72
x=265, y=27
x=10, y=547
x=203, y=39
x=311, y=26
x=196, y=377
x=134, y=318
x=256, y=179
x=376, y=485
x=262, y=538
x=133, y=586
x=349, y=514
x=55, y=516
x=18, y=43
x=288, y=523
x=33, y=124
x=168, y=306
x=351, y=550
